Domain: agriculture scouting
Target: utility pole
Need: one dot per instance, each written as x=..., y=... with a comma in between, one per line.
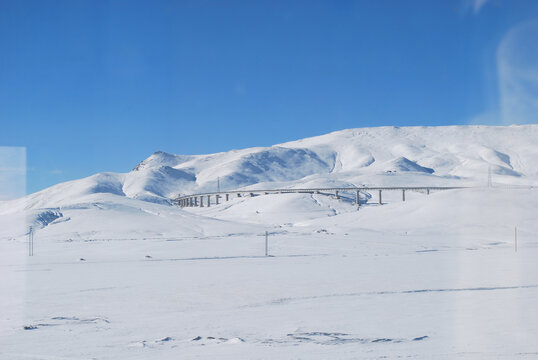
x=31, y=241
x=266, y=243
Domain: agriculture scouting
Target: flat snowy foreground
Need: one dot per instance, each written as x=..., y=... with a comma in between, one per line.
x=434, y=277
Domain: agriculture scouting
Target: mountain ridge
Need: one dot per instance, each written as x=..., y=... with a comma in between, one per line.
x=443, y=156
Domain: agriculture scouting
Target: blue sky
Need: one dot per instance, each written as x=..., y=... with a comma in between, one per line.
x=91, y=86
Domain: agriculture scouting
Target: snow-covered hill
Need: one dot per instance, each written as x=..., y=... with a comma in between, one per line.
x=433, y=155
x=453, y=155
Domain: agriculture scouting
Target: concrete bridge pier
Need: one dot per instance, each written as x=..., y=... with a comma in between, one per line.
x=380, y=198
x=227, y=197
x=208, y=200
x=357, y=200
x=196, y=201
x=201, y=201
x=403, y=194
x=427, y=191
x=336, y=196
x=217, y=199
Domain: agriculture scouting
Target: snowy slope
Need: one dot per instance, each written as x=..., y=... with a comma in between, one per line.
x=422, y=279
x=120, y=273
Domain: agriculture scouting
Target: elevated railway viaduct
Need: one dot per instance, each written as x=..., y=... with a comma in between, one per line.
x=209, y=198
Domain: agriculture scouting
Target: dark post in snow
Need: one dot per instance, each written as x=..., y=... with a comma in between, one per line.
x=403, y=195
x=266, y=243
x=31, y=241
x=357, y=200
x=380, y=199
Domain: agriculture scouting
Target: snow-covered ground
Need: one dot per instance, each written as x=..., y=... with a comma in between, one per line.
x=119, y=273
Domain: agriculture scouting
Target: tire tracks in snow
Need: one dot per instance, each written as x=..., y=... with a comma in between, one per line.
x=284, y=301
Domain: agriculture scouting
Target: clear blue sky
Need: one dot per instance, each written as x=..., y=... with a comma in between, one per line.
x=91, y=86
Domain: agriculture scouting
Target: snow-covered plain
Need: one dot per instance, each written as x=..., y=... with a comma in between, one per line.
x=120, y=273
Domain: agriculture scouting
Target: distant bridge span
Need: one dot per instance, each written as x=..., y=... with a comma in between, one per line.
x=197, y=200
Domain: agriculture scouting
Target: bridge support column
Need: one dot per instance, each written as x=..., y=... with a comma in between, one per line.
x=196, y=201
x=403, y=194
x=208, y=200
x=201, y=201
x=217, y=199
x=428, y=191
x=336, y=195
x=380, y=198
x=227, y=197
x=357, y=200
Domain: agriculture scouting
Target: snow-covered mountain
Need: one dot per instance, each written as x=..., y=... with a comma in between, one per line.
x=385, y=155
x=435, y=155
x=407, y=156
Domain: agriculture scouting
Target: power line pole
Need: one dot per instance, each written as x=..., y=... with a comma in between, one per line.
x=31, y=242
x=266, y=243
